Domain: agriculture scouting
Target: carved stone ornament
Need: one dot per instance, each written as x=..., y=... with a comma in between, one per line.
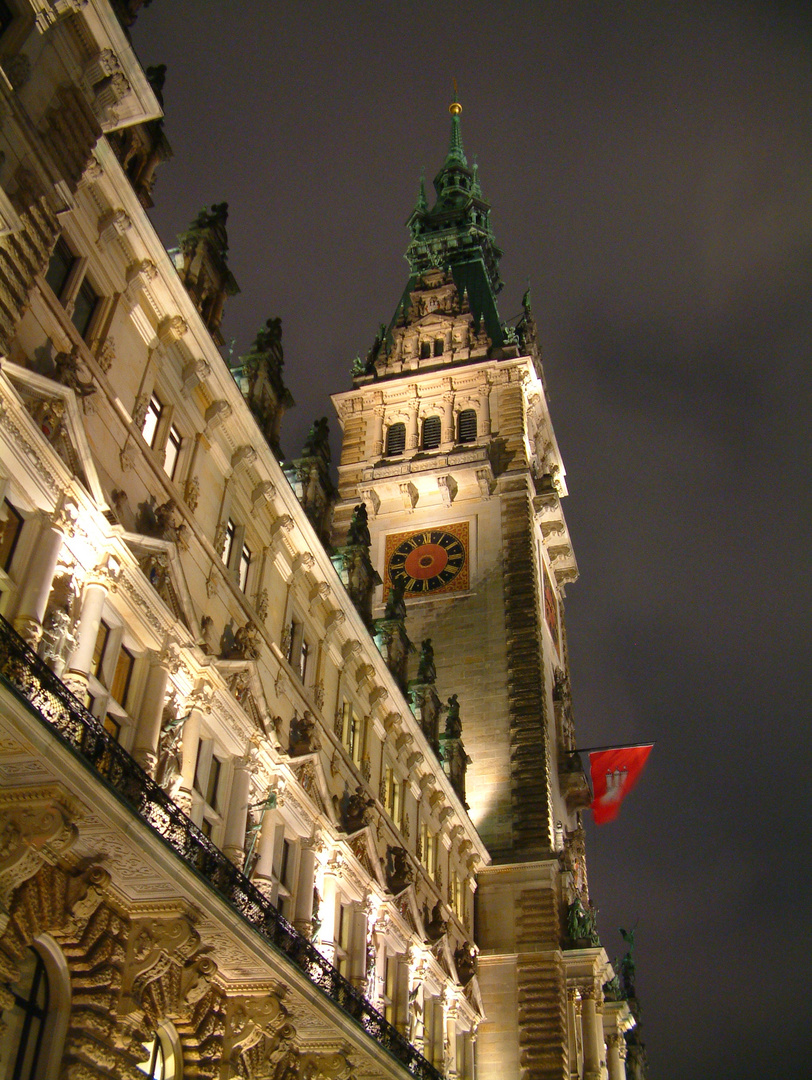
x=171, y=329
x=35, y=827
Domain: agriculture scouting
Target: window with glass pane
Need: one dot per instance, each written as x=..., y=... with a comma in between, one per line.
x=245, y=566
x=352, y=733
x=25, y=1020
x=393, y=791
x=343, y=939
x=112, y=726
x=228, y=548
x=160, y=1061
x=395, y=439
x=439, y=346
x=432, y=431
x=10, y=534
x=120, y=686
x=152, y=419
x=467, y=426
x=390, y=978
x=173, y=443
x=86, y=300
x=102, y=637
x=59, y=267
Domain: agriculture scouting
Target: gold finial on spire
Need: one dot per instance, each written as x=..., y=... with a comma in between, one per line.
x=455, y=108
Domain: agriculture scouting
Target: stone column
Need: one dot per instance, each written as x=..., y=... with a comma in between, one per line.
x=574, y=1041
x=448, y=418
x=305, y=883
x=327, y=913
x=87, y=630
x=39, y=578
x=266, y=848
x=616, y=1055
x=234, y=838
x=416, y=1019
x=148, y=729
x=411, y=427
x=377, y=431
x=197, y=704
x=593, y=1033
x=485, y=413
x=450, y=1064
x=357, y=973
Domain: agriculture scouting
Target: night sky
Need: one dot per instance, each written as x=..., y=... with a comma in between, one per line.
x=648, y=165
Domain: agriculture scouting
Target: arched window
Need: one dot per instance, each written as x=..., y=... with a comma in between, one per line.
x=431, y=432
x=439, y=346
x=395, y=439
x=425, y=350
x=25, y=1022
x=162, y=1055
x=466, y=426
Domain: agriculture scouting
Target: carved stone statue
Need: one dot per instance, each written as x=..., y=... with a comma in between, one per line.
x=302, y=734
x=246, y=643
x=582, y=923
x=354, y=811
x=208, y=638
x=465, y=962
x=426, y=671
x=398, y=869
x=167, y=771
x=435, y=925
x=453, y=724
x=627, y=965
x=359, y=527
x=66, y=371
x=395, y=604
x=317, y=443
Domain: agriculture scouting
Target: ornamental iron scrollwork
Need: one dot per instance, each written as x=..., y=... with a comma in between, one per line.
x=31, y=680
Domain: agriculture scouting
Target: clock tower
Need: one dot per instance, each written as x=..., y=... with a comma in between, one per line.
x=447, y=439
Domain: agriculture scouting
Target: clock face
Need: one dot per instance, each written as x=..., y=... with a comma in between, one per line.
x=429, y=561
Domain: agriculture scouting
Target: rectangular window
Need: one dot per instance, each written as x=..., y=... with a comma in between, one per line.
x=173, y=444
x=11, y=529
x=122, y=675
x=304, y=654
x=390, y=973
x=456, y=895
x=59, y=267
x=154, y=412
x=112, y=726
x=428, y=849
x=393, y=796
x=353, y=733
x=102, y=638
x=228, y=548
x=343, y=939
x=86, y=300
x=213, y=782
x=245, y=566
x=283, y=868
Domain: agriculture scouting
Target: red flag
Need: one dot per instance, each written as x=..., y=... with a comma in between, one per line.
x=614, y=774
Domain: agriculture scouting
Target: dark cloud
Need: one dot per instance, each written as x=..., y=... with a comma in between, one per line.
x=649, y=170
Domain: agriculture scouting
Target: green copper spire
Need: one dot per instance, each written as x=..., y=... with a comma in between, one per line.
x=455, y=234
x=455, y=151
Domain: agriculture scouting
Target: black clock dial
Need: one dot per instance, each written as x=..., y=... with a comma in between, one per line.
x=426, y=561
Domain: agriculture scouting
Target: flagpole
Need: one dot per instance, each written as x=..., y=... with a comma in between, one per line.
x=614, y=746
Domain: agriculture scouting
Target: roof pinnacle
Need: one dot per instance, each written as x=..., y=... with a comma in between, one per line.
x=455, y=151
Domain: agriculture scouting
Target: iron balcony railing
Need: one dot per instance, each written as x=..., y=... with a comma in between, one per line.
x=54, y=705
